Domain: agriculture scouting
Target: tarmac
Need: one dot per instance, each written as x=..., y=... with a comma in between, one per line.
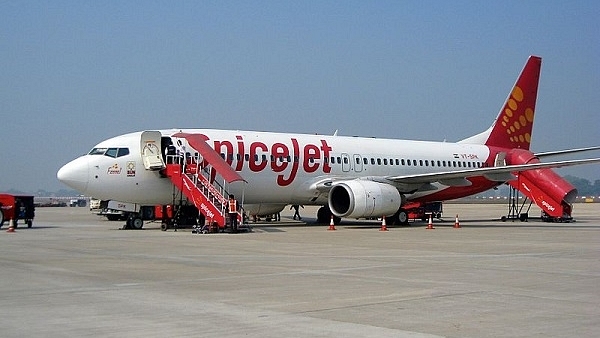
x=75, y=274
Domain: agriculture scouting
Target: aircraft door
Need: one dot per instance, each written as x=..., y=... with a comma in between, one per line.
x=346, y=164
x=358, y=165
x=150, y=145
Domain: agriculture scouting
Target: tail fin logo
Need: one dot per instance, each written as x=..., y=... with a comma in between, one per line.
x=518, y=123
x=513, y=126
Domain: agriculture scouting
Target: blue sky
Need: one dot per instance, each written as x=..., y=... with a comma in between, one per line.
x=78, y=72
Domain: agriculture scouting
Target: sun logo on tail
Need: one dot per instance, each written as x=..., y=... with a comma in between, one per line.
x=512, y=128
x=518, y=122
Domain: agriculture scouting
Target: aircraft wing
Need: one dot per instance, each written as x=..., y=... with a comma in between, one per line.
x=498, y=174
x=564, y=152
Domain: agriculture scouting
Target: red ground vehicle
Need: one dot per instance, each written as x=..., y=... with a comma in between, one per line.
x=420, y=210
x=16, y=207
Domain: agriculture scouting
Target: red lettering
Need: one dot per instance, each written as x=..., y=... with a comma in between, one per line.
x=312, y=157
x=241, y=154
x=326, y=149
x=228, y=150
x=280, y=179
x=257, y=163
x=280, y=152
x=311, y=153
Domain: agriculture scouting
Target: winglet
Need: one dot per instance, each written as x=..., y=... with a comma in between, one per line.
x=512, y=128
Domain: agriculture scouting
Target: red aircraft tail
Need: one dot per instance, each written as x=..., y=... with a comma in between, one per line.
x=511, y=134
x=512, y=128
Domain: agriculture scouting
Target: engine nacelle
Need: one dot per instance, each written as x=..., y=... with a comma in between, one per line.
x=359, y=198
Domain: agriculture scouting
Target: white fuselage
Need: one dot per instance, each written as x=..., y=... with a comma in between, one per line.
x=278, y=168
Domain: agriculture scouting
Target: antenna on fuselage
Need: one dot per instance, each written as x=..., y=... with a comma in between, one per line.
x=335, y=132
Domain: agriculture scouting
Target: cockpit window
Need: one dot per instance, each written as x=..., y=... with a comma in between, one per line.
x=110, y=152
x=97, y=151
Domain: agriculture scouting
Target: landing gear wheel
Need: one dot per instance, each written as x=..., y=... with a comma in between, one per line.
x=164, y=226
x=1, y=218
x=402, y=217
x=29, y=223
x=323, y=215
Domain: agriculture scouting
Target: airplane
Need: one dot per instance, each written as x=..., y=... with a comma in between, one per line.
x=351, y=177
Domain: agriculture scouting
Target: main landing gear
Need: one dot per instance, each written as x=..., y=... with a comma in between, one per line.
x=324, y=216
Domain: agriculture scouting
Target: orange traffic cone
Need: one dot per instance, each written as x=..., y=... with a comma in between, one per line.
x=11, y=226
x=430, y=224
x=383, y=225
x=456, y=223
x=331, y=224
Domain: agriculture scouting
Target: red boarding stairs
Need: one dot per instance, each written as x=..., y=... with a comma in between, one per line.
x=544, y=187
x=196, y=177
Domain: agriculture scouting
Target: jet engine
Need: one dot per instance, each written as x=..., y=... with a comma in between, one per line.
x=543, y=186
x=361, y=198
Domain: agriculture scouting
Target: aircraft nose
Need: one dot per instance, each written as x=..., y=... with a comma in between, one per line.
x=75, y=174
